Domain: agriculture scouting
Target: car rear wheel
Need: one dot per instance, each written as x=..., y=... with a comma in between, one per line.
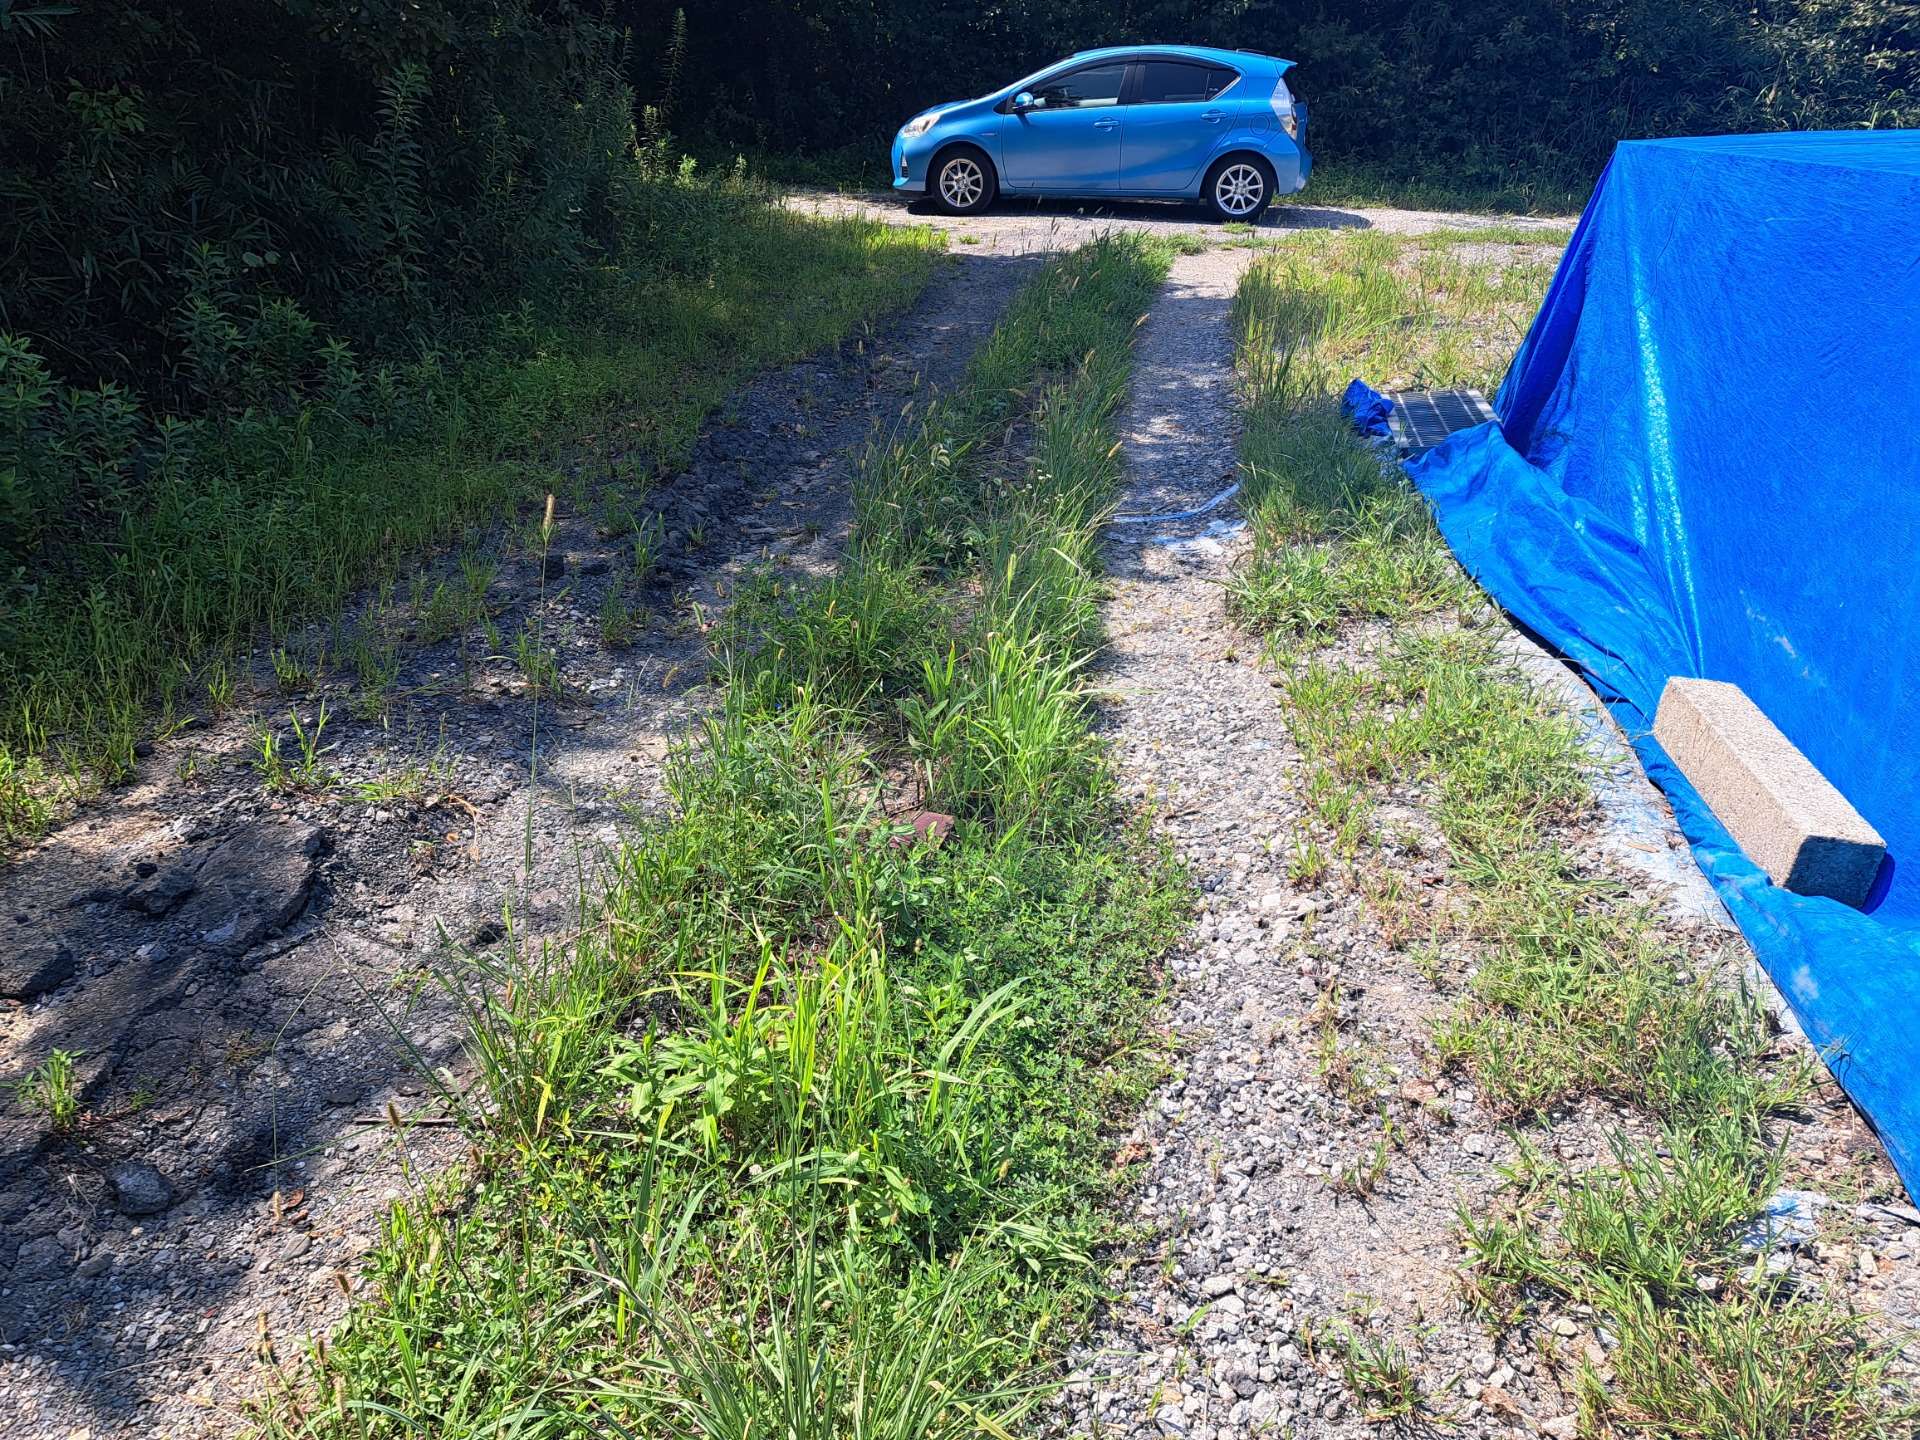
x=963, y=182
x=1239, y=187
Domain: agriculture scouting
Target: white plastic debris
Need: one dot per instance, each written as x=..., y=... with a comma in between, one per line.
x=1786, y=1222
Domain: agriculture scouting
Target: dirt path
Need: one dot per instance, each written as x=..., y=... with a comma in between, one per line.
x=1258, y=1242
x=1252, y=1243
x=235, y=965
x=1018, y=226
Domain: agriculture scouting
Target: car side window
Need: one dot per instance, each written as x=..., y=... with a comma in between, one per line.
x=1174, y=82
x=1097, y=85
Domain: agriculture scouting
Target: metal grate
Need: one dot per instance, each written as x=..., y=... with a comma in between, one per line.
x=1423, y=418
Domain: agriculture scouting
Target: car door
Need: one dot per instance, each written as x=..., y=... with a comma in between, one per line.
x=1179, y=111
x=1069, y=140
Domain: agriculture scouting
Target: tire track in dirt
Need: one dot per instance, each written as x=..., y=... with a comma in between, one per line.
x=1250, y=1243
x=242, y=963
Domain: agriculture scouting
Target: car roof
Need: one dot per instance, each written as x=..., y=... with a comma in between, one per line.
x=1238, y=59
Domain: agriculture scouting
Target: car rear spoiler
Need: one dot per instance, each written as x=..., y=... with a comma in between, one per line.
x=1285, y=65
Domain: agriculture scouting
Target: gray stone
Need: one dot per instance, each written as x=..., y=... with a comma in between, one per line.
x=35, y=969
x=1782, y=811
x=255, y=883
x=40, y=1259
x=138, y=1188
x=163, y=892
x=1898, y=1214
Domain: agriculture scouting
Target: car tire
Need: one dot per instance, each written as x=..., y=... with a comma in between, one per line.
x=1230, y=189
x=961, y=181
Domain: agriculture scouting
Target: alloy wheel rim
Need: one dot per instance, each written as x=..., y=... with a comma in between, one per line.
x=1239, y=188
x=961, y=183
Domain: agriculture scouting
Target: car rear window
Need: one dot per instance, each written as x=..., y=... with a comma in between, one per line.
x=1175, y=82
x=1169, y=82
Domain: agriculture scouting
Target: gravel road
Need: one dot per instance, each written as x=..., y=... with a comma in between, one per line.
x=235, y=966
x=1022, y=226
x=1259, y=1252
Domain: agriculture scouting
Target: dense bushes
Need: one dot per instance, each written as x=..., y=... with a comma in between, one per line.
x=218, y=210
x=221, y=211
x=294, y=288
x=191, y=184
x=1484, y=88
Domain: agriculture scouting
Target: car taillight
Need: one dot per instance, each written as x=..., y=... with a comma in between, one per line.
x=1289, y=112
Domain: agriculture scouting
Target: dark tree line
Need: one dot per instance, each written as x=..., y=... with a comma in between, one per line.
x=1487, y=87
x=198, y=188
x=200, y=196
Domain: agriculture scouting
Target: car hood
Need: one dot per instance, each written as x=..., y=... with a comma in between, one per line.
x=940, y=109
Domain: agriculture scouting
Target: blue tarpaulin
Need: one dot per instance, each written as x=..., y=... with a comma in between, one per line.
x=1370, y=412
x=1708, y=464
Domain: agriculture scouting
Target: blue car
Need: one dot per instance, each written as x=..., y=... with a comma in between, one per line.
x=1134, y=122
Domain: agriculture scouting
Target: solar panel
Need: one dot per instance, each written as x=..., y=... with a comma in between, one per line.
x=1423, y=418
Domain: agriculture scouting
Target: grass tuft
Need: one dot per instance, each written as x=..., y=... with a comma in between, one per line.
x=51, y=1090
x=1578, y=991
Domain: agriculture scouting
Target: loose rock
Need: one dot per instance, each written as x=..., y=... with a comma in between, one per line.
x=139, y=1188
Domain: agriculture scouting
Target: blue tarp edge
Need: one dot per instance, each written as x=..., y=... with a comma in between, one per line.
x=1783, y=929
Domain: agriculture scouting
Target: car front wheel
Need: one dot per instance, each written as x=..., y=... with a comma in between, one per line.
x=963, y=182
x=1239, y=188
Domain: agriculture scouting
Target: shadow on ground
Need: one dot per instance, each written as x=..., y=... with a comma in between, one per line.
x=1149, y=215
x=246, y=973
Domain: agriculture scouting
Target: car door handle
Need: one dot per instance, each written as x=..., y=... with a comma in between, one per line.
x=1106, y=124
x=1213, y=117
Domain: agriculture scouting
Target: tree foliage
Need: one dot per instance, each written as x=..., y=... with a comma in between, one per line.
x=243, y=211
x=1486, y=86
x=198, y=190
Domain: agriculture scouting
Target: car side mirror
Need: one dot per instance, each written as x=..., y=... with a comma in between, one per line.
x=1025, y=101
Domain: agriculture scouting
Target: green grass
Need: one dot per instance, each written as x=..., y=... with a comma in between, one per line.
x=1380, y=1373
x=249, y=527
x=1446, y=238
x=51, y=1090
x=1381, y=183
x=1340, y=537
x=807, y=1132
x=1577, y=989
